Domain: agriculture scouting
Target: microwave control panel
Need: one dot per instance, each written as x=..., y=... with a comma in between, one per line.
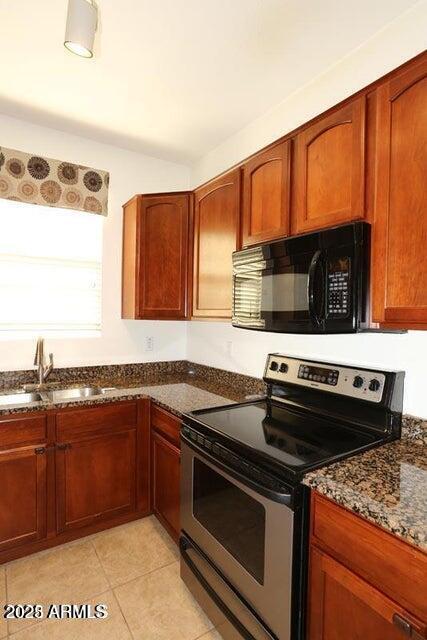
x=338, y=301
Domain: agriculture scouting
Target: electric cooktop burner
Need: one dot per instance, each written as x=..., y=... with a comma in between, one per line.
x=306, y=421
x=296, y=441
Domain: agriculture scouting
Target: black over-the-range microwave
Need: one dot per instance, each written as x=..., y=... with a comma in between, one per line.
x=312, y=283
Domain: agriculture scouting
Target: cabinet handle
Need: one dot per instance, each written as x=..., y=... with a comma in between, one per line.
x=40, y=450
x=62, y=447
x=407, y=628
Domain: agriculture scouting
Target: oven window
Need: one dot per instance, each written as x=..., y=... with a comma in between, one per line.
x=234, y=518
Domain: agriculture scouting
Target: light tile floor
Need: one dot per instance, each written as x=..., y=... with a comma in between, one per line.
x=133, y=569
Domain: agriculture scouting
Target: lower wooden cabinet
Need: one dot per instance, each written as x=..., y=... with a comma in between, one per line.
x=24, y=466
x=95, y=479
x=165, y=469
x=23, y=478
x=345, y=606
x=69, y=473
x=364, y=584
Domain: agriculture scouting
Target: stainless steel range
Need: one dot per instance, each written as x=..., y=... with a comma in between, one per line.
x=244, y=511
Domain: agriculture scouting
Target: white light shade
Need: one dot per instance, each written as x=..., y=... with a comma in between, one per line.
x=81, y=26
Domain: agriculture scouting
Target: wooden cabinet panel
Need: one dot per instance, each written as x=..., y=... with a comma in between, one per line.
x=166, y=483
x=75, y=424
x=166, y=423
x=396, y=568
x=156, y=256
x=216, y=232
x=329, y=175
x=164, y=256
x=16, y=431
x=95, y=479
x=266, y=187
x=399, y=274
x=342, y=605
x=23, y=514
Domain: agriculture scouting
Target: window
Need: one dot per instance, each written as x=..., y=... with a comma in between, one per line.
x=50, y=269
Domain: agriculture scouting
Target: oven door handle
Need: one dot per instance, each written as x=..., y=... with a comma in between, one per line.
x=280, y=494
x=311, y=288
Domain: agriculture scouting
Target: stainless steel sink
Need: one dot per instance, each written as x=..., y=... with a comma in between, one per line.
x=76, y=394
x=20, y=398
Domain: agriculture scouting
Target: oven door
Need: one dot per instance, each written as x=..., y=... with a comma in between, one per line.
x=246, y=532
x=281, y=294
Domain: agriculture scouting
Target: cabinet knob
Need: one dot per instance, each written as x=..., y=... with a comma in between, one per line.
x=40, y=451
x=63, y=446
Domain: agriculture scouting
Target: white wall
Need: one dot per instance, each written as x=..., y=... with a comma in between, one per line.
x=397, y=42
x=221, y=345
x=130, y=173
x=218, y=344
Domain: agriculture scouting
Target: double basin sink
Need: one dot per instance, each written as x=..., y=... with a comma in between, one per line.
x=56, y=395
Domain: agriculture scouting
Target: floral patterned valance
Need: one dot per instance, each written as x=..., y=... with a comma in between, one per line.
x=37, y=180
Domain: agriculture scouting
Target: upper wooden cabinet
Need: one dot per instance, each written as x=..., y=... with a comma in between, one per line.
x=266, y=188
x=156, y=256
x=399, y=273
x=329, y=172
x=216, y=236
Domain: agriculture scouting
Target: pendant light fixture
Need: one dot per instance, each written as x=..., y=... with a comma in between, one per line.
x=82, y=21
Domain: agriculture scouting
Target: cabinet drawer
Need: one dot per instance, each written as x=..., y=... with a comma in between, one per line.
x=398, y=569
x=73, y=425
x=23, y=430
x=166, y=423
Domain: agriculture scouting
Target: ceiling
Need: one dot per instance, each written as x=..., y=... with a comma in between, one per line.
x=174, y=78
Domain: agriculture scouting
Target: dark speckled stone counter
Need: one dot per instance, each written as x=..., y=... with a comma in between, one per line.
x=387, y=485
x=179, y=387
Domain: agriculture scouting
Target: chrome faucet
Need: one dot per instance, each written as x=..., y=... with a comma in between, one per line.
x=43, y=371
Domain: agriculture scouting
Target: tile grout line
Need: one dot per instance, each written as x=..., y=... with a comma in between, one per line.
x=122, y=612
x=143, y=575
x=100, y=563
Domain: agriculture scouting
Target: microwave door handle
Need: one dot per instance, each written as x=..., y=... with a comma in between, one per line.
x=311, y=286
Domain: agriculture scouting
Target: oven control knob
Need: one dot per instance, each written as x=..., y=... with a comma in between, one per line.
x=374, y=385
x=358, y=382
x=283, y=368
x=274, y=366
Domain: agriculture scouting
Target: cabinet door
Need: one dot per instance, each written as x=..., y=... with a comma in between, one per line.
x=95, y=479
x=216, y=232
x=399, y=274
x=166, y=472
x=329, y=176
x=342, y=605
x=163, y=256
x=23, y=496
x=266, y=188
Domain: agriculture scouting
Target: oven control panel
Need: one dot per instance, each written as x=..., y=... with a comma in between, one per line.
x=354, y=382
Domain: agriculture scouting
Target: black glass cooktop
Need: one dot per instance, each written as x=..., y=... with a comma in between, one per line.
x=299, y=441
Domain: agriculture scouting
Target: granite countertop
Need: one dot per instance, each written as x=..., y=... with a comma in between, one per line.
x=386, y=485
x=179, y=392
